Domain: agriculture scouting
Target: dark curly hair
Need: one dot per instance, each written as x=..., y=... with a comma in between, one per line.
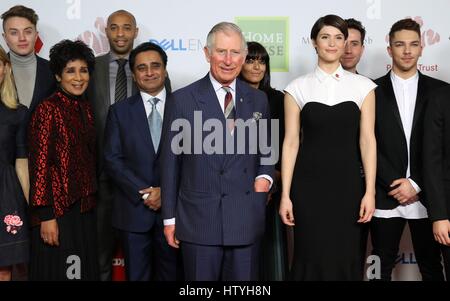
x=67, y=51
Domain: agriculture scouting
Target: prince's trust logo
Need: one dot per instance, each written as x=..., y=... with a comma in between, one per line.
x=273, y=33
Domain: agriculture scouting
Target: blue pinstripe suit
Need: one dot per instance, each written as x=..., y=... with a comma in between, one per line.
x=212, y=195
x=132, y=163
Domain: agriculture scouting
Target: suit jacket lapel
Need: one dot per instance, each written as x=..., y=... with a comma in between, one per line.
x=243, y=106
x=208, y=104
x=37, y=85
x=420, y=99
x=140, y=121
x=159, y=147
x=390, y=98
x=207, y=101
x=104, y=71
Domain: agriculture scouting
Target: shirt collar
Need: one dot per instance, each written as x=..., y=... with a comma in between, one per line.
x=218, y=86
x=322, y=75
x=397, y=79
x=114, y=57
x=161, y=96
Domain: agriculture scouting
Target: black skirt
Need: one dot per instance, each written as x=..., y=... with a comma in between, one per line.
x=75, y=259
x=14, y=229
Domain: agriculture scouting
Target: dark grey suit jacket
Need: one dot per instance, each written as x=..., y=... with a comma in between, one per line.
x=99, y=97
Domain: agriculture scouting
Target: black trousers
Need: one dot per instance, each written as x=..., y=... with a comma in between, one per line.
x=106, y=237
x=386, y=234
x=446, y=255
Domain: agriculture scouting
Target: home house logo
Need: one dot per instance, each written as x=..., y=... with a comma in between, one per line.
x=273, y=33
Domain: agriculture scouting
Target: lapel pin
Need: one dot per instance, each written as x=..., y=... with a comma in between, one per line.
x=241, y=100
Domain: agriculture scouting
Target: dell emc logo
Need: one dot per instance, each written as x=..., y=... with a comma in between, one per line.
x=179, y=44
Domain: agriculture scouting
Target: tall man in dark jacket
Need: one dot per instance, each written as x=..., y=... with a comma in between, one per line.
x=401, y=99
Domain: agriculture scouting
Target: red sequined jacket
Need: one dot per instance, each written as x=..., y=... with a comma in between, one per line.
x=62, y=157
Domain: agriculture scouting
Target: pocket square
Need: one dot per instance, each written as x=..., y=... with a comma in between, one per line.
x=257, y=116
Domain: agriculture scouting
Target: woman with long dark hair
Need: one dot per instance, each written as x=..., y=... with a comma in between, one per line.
x=256, y=72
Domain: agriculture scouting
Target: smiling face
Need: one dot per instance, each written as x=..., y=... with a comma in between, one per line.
x=226, y=56
x=121, y=31
x=405, y=49
x=149, y=72
x=253, y=71
x=74, y=78
x=20, y=35
x=329, y=44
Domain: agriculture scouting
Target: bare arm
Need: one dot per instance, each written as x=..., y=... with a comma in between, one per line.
x=23, y=175
x=291, y=145
x=368, y=148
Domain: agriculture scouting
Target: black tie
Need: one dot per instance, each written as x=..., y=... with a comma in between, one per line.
x=121, y=81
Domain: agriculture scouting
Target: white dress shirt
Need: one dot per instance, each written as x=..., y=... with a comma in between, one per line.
x=405, y=91
x=159, y=105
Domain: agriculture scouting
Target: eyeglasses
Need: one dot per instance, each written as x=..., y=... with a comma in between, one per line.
x=252, y=61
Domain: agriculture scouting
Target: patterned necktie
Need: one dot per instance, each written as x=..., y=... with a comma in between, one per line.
x=155, y=123
x=229, y=110
x=121, y=81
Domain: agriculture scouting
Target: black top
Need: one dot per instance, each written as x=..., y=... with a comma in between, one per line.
x=276, y=103
x=12, y=134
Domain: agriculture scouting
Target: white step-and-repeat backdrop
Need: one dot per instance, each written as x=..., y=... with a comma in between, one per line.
x=283, y=26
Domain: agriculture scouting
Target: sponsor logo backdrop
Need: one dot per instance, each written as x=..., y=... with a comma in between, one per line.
x=283, y=26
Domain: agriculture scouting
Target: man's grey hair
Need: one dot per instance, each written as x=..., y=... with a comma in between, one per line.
x=225, y=27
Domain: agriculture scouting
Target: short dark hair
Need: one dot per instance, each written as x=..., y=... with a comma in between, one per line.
x=404, y=24
x=67, y=51
x=329, y=20
x=121, y=12
x=355, y=24
x=256, y=51
x=20, y=11
x=147, y=46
